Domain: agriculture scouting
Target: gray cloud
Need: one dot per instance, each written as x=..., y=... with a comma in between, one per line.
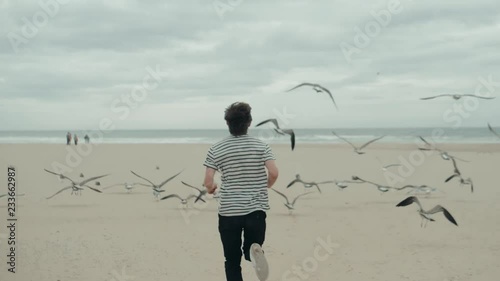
x=91, y=53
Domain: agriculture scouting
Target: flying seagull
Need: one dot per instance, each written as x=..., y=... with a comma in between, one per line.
x=384, y=168
x=288, y=204
x=201, y=192
x=418, y=188
x=358, y=149
x=457, y=173
x=128, y=186
x=467, y=181
x=425, y=141
x=157, y=188
x=318, y=88
x=382, y=188
x=184, y=201
x=457, y=97
x=345, y=183
x=427, y=190
x=493, y=131
x=279, y=130
x=76, y=187
x=445, y=155
x=425, y=214
x=390, y=165
x=307, y=184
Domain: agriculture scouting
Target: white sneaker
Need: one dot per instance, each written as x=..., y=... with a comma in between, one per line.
x=259, y=262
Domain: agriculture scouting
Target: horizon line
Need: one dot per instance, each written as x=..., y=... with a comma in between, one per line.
x=209, y=129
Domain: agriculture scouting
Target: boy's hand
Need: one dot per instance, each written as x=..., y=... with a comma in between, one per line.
x=211, y=190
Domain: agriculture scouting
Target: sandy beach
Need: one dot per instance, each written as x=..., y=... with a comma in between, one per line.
x=351, y=234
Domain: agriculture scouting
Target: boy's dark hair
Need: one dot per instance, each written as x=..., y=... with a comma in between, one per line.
x=238, y=118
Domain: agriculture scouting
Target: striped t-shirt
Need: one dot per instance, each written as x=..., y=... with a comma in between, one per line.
x=240, y=160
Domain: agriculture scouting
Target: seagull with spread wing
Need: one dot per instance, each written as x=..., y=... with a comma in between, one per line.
x=128, y=185
x=457, y=97
x=425, y=214
x=445, y=155
x=344, y=183
x=279, y=130
x=458, y=174
x=307, y=184
x=184, y=201
x=381, y=188
x=157, y=188
x=493, y=131
x=318, y=88
x=358, y=149
x=288, y=204
x=385, y=167
x=76, y=187
x=201, y=192
x=423, y=189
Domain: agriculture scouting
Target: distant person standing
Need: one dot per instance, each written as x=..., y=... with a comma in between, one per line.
x=76, y=139
x=87, y=139
x=68, y=138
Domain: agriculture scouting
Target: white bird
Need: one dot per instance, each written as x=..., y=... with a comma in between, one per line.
x=425, y=214
x=358, y=149
x=390, y=165
x=384, y=168
x=382, y=188
x=288, y=204
x=457, y=96
x=345, y=183
x=418, y=189
x=445, y=155
x=426, y=142
x=318, y=88
x=457, y=173
x=423, y=189
x=201, y=192
x=307, y=184
x=493, y=131
x=128, y=186
x=279, y=130
x=184, y=201
x=157, y=188
x=76, y=187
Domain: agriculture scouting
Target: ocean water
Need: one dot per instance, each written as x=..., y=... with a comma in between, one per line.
x=392, y=135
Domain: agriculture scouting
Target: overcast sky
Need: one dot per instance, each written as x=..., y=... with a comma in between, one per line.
x=73, y=64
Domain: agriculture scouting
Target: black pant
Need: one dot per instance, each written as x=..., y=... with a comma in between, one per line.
x=253, y=226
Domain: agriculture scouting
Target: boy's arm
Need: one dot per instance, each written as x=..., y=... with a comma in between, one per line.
x=272, y=172
x=209, y=183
